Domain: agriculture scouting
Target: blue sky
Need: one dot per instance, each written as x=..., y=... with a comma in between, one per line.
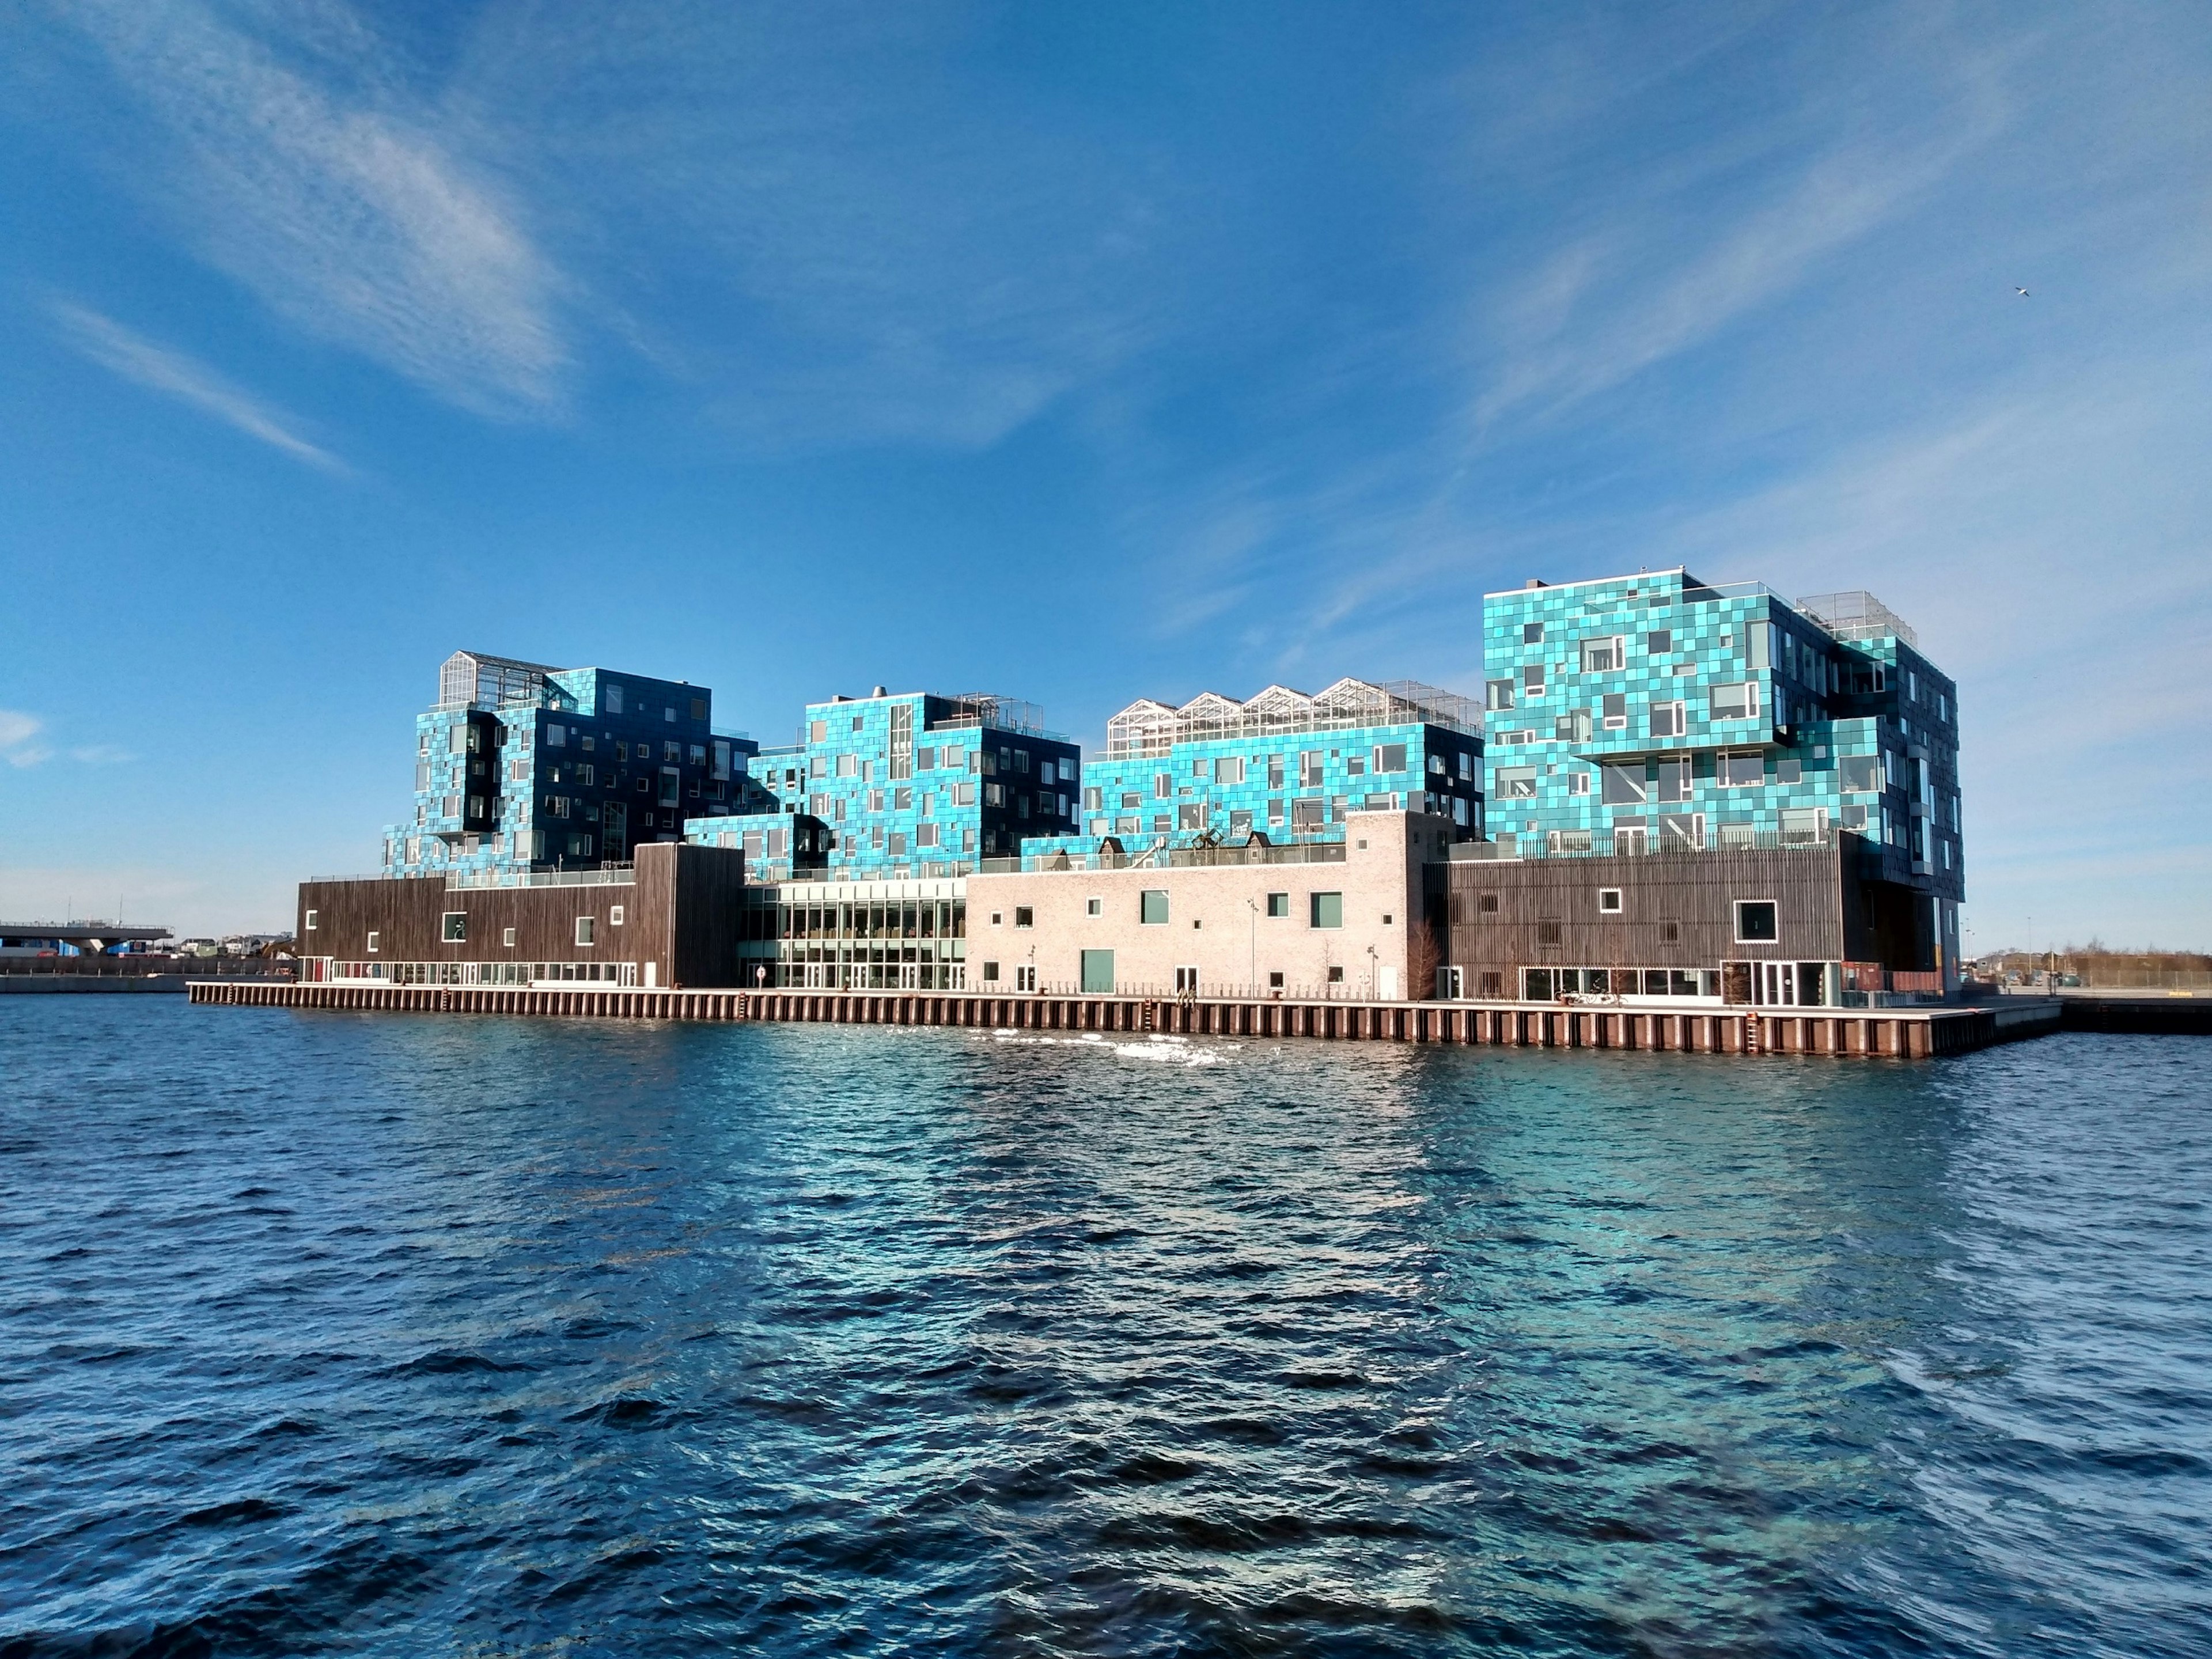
x=1082, y=353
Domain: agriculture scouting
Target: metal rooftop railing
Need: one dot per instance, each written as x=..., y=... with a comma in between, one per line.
x=1856, y=615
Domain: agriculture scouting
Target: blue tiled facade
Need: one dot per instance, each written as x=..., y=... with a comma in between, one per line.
x=1655, y=712
x=521, y=767
x=1282, y=765
x=910, y=785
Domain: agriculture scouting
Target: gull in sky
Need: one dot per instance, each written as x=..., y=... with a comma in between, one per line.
x=2020, y=291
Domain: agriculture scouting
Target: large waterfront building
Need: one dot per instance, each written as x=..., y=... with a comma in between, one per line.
x=1695, y=794
x=519, y=767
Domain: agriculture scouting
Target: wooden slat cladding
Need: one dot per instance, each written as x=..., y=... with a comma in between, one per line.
x=681, y=912
x=1547, y=912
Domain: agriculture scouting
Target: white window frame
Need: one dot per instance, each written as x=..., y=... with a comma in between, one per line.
x=587, y=931
x=1720, y=769
x=1750, y=710
x=1612, y=646
x=1735, y=920
x=1612, y=908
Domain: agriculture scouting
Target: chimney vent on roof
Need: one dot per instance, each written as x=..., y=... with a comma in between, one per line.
x=880, y=691
x=1532, y=582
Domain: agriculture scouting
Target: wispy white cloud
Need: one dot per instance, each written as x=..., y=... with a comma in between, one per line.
x=164, y=370
x=102, y=754
x=19, y=745
x=304, y=166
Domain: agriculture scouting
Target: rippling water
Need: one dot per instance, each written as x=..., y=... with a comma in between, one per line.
x=406, y=1335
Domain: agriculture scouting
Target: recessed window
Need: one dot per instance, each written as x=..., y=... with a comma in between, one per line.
x=1025, y=977
x=311, y=921
x=1152, y=906
x=1336, y=974
x=996, y=916
x=1659, y=641
x=1024, y=916
x=1532, y=633
x=1275, y=982
x=1486, y=903
x=1186, y=982
x=1615, y=711
x=1547, y=931
x=455, y=928
x=1624, y=784
x=1094, y=907
x=614, y=916
x=373, y=938
x=1756, y=923
x=1497, y=693
x=1740, y=771
x=1325, y=909
x=1861, y=774
x=1668, y=720
x=506, y=937
x=990, y=973
x=1609, y=900
x=1279, y=905
x=1670, y=932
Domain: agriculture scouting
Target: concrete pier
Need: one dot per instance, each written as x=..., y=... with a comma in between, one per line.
x=1902, y=1033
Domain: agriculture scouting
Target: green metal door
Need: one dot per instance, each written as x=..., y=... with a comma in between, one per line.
x=1097, y=970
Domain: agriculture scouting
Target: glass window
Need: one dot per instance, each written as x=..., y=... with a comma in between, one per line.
x=1024, y=916
x=456, y=928
x=585, y=927
x=1737, y=701
x=1279, y=905
x=1325, y=909
x=1604, y=655
x=1741, y=769
x=1788, y=768
x=1659, y=641
x=1229, y=768
x=1674, y=779
x=1390, y=757
x=1861, y=774
x=1308, y=813
x=1514, y=782
x=1152, y=906
x=990, y=973
x=1755, y=922
x=1499, y=694
x=1310, y=762
x=373, y=938
x=1667, y=720
x=1624, y=784
x=1162, y=786
x=1532, y=679
x=1094, y=907
x=1532, y=633
x=1682, y=832
x=1614, y=708
x=1609, y=900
